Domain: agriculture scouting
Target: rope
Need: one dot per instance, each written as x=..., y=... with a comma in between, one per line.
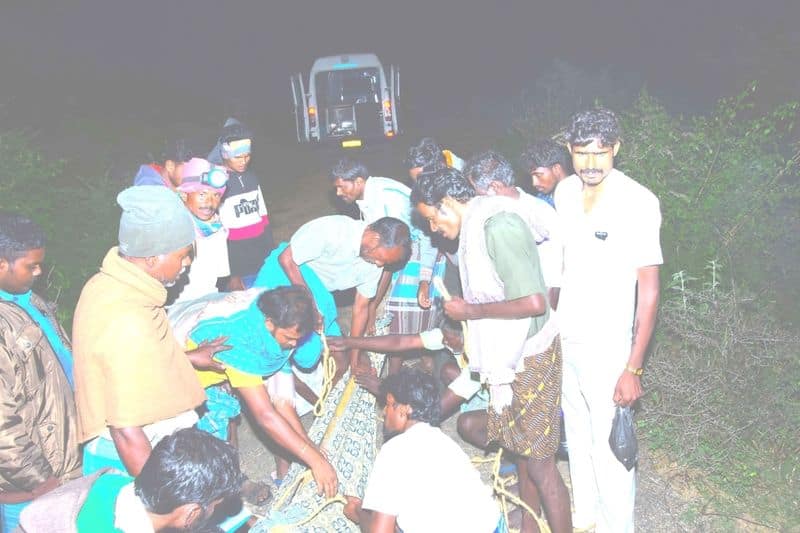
x=499, y=483
x=462, y=360
x=291, y=490
x=328, y=373
x=307, y=476
x=504, y=496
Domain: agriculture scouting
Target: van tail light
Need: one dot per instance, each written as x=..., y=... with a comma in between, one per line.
x=312, y=116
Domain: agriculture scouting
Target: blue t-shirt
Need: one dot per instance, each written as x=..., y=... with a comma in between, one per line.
x=547, y=198
x=253, y=348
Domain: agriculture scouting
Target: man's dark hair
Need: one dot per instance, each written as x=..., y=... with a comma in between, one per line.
x=348, y=170
x=489, y=166
x=451, y=325
x=593, y=125
x=234, y=131
x=427, y=155
x=288, y=307
x=416, y=389
x=18, y=235
x=189, y=466
x=178, y=149
x=432, y=187
x=393, y=233
x=547, y=153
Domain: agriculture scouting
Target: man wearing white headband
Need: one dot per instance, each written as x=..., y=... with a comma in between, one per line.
x=243, y=211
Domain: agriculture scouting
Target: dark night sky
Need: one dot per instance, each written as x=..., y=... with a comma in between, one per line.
x=454, y=55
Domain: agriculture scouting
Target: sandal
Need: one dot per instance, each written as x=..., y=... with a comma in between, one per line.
x=506, y=469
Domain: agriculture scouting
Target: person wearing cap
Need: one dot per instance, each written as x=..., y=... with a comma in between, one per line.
x=133, y=382
x=201, y=187
x=243, y=210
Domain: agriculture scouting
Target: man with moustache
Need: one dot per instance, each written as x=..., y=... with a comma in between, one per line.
x=607, y=312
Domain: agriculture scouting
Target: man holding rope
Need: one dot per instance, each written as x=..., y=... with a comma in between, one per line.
x=266, y=332
x=512, y=342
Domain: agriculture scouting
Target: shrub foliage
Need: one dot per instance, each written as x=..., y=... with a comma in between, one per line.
x=723, y=372
x=727, y=185
x=723, y=398
x=78, y=214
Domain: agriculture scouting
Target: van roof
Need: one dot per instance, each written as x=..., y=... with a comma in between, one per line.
x=345, y=61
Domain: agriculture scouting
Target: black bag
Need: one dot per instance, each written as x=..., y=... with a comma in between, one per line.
x=623, y=438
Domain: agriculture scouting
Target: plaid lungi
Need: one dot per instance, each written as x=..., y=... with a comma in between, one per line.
x=402, y=305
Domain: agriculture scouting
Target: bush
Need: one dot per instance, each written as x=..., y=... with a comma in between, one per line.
x=724, y=373
x=543, y=110
x=726, y=188
x=723, y=380
x=78, y=214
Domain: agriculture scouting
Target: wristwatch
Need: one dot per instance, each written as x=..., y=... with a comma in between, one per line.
x=634, y=371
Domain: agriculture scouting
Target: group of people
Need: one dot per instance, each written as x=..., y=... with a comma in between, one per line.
x=517, y=307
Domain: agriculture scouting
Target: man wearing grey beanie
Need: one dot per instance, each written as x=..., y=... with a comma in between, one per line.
x=133, y=382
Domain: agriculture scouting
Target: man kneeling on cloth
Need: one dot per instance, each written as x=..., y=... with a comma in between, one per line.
x=511, y=338
x=267, y=331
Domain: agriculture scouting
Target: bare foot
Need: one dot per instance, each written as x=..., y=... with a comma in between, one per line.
x=352, y=508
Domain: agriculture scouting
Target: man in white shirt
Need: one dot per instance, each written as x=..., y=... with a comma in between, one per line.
x=422, y=481
x=411, y=298
x=340, y=253
x=607, y=312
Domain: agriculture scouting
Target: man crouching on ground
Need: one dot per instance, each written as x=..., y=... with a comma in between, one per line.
x=422, y=480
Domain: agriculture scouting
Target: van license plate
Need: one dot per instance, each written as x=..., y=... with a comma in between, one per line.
x=352, y=143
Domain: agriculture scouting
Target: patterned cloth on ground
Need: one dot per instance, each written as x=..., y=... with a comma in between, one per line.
x=351, y=446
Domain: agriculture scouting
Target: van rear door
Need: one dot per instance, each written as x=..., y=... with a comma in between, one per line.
x=300, y=107
x=394, y=94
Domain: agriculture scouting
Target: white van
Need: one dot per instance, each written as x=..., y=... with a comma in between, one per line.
x=350, y=100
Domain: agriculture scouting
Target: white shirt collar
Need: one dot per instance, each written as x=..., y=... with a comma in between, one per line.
x=130, y=515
